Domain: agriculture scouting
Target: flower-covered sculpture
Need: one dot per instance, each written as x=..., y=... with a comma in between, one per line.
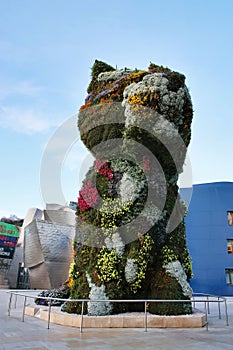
x=130, y=238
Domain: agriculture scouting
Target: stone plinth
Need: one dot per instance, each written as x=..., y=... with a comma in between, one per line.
x=127, y=320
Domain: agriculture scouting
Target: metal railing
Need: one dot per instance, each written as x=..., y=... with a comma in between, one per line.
x=210, y=298
x=195, y=299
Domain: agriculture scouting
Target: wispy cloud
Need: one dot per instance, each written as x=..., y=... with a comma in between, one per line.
x=19, y=117
x=27, y=121
x=26, y=88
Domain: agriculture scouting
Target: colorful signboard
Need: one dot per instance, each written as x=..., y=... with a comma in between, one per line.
x=9, y=229
x=7, y=252
x=9, y=235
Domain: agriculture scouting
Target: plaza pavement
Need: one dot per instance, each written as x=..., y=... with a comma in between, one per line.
x=33, y=334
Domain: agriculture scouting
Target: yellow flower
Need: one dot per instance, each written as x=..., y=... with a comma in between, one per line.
x=70, y=283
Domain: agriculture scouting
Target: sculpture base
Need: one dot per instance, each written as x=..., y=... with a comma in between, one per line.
x=124, y=320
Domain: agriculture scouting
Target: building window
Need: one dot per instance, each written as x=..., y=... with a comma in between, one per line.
x=230, y=218
x=229, y=276
x=230, y=246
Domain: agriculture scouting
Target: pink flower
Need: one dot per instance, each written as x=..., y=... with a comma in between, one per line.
x=88, y=196
x=99, y=163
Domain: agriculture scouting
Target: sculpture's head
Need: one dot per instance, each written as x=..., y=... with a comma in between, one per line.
x=150, y=106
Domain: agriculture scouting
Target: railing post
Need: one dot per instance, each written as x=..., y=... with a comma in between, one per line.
x=226, y=312
x=219, y=309
x=9, y=305
x=49, y=312
x=207, y=328
x=15, y=301
x=194, y=302
x=145, y=320
x=81, y=322
x=208, y=304
x=24, y=306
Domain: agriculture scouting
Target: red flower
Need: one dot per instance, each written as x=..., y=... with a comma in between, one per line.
x=106, y=171
x=88, y=196
x=103, y=169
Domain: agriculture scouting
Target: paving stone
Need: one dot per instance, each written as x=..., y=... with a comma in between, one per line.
x=34, y=335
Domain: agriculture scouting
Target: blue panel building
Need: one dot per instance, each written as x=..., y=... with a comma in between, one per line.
x=209, y=230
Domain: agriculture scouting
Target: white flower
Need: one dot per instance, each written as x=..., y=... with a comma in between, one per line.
x=152, y=213
x=175, y=269
x=130, y=117
x=170, y=103
x=156, y=81
x=115, y=243
x=97, y=293
x=120, y=165
x=118, y=244
x=130, y=270
x=132, y=182
x=108, y=243
x=130, y=188
x=114, y=75
x=163, y=127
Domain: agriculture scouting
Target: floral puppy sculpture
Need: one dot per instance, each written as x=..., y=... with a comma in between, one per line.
x=130, y=239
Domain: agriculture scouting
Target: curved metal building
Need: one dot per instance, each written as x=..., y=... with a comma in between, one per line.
x=48, y=247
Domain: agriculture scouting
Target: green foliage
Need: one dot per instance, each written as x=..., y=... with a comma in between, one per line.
x=73, y=272
x=97, y=68
x=100, y=67
x=73, y=307
x=112, y=212
x=102, y=186
x=107, y=266
x=153, y=144
x=142, y=259
x=168, y=255
x=154, y=68
x=167, y=288
x=187, y=263
x=85, y=258
x=100, y=134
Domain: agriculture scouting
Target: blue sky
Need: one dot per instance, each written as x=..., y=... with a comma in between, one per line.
x=47, y=49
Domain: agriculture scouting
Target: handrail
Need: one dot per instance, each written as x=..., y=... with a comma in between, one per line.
x=219, y=299
x=145, y=301
x=113, y=300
